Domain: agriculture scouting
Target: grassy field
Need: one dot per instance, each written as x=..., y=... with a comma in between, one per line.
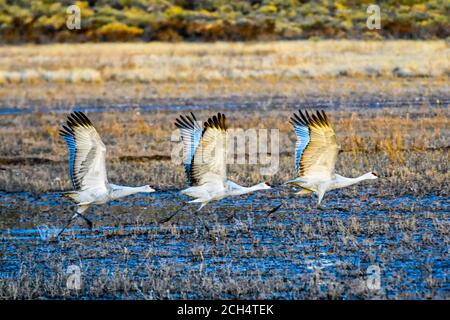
x=159, y=62
x=410, y=155
x=269, y=80
x=388, y=102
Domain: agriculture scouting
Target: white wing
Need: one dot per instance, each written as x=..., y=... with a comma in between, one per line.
x=316, y=149
x=209, y=161
x=191, y=133
x=87, y=153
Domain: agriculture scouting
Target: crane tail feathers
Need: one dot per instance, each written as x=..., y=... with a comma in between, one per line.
x=82, y=208
x=297, y=181
x=72, y=196
x=304, y=192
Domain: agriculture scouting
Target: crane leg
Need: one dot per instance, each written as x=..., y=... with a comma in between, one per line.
x=76, y=215
x=198, y=218
x=82, y=208
x=319, y=200
x=274, y=209
x=67, y=224
x=89, y=222
x=201, y=221
x=173, y=214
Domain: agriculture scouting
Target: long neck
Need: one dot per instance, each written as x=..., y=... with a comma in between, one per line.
x=238, y=190
x=345, y=182
x=122, y=191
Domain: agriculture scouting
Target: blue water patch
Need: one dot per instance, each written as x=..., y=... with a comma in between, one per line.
x=241, y=105
x=299, y=250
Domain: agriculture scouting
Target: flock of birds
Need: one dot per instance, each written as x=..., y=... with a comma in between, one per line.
x=205, y=162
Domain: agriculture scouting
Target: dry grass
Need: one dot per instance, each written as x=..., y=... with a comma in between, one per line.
x=391, y=140
x=163, y=62
x=50, y=96
x=135, y=74
x=406, y=149
x=398, y=222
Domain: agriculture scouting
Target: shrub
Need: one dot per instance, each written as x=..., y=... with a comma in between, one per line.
x=118, y=31
x=210, y=20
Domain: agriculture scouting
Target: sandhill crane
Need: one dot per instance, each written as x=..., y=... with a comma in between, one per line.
x=87, y=167
x=205, y=152
x=316, y=153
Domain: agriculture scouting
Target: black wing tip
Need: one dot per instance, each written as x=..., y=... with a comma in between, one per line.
x=188, y=121
x=65, y=131
x=304, y=118
x=78, y=119
x=218, y=121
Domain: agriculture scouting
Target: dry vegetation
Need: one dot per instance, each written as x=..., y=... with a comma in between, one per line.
x=174, y=20
x=188, y=62
x=408, y=148
x=156, y=74
x=262, y=79
x=395, y=123
x=268, y=80
x=298, y=253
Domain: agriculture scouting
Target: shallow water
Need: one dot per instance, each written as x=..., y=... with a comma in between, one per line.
x=298, y=251
x=281, y=102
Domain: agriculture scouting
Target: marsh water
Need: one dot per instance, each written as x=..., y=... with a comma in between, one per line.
x=363, y=245
x=259, y=104
x=296, y=252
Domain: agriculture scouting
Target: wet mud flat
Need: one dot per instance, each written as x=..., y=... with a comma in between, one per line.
x=366, y=247
x=385, y=240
